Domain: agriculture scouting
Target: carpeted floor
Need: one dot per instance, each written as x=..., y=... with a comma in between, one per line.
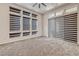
x=40, y=47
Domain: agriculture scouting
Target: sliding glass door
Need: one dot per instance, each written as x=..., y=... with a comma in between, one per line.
x=51, y=28
x=59, y=27
x=56, y=27
x=64, y=27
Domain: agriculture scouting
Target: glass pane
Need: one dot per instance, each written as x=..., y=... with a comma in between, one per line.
x=34, y=15
x=26, y=23
x=34, y=32
x=26, y=33
x=12, y=9
x=14, y=22
x=34, y=24
x=26, y=13
x=14, y=35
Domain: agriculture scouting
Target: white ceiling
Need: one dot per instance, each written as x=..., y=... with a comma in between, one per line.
x=42, y=9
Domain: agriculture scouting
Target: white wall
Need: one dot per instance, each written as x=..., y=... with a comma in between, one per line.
x=4, y=25
x=45, y=25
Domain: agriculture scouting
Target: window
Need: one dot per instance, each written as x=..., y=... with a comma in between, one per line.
x=51, y=15
x=26, y=33
x=70, y=27
x=34, y=15
x=26, y=13
x=26, y=23
x=14, y=22
x=71, y=10
x=12, y=9
x=18, y=16
x=60, y=13
x=14, y=35
x=34, y=24
x=34, y=32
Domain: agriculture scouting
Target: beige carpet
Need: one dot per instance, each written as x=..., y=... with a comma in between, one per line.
x=40, y=47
